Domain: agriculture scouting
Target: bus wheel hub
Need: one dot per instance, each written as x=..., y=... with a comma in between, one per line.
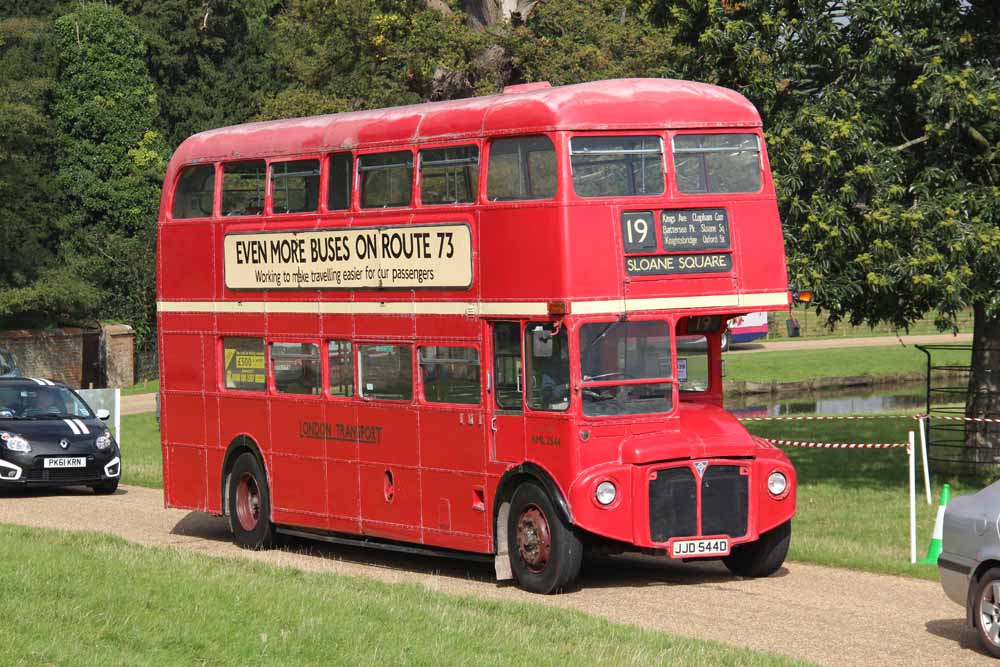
x=533, y=540
x=247, y=502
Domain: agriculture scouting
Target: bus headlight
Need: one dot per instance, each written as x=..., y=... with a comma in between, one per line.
x=606, y=493
x=14, y=442
x=777, y=483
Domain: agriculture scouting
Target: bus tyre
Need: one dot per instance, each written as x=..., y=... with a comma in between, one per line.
x=545, y=552
x=106, y=488
x=250, y=504
x=763, y=557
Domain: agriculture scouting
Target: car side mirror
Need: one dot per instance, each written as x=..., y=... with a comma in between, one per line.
x=103, y=414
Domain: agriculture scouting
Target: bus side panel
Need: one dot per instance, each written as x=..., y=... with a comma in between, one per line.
x=245, y=415
x=761, y=253
x=454, y=514
x=504, y=235
x=298, y=472
x=281, y=324
x=343, y=487
x=183, y=247
x=594, y=274
x=446, y=328
x=184, y=478
x=390, y=505
x=184, y=365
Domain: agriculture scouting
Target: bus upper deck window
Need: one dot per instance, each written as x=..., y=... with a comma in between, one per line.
x=386, y=179
x=195, y=192
x=616, y=166
x=338, y=193
x=295, y=186
x=449, y=175
x=523, y=168
x=709, y=163
x=243, y=188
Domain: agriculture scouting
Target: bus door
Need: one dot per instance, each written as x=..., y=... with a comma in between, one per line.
x=506, y=392
x=452, y=446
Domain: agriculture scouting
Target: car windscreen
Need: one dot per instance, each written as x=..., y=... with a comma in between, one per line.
x=41, y=403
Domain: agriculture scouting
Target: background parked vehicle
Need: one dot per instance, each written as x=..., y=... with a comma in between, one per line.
x=969, y=565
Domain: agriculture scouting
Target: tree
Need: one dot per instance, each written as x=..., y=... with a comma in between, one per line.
x=883, y=122
x=34, y=287
x=110, y=160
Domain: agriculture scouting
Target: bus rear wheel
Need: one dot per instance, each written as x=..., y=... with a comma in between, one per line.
x=250, y=504
x=545, y=552
x=763, y=557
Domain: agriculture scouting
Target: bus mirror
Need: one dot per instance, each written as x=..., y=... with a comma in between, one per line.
x=541, y=343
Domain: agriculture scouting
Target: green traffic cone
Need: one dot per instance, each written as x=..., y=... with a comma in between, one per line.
x=934, y=550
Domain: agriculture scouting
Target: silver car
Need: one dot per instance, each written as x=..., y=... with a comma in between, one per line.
x=969, y=565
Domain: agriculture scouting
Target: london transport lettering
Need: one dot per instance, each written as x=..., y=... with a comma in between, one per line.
x=363, y=433
x=413, y=256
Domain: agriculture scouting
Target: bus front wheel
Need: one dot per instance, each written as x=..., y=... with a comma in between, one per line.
x=763, y=557
x=545, y=552
x=250, y=504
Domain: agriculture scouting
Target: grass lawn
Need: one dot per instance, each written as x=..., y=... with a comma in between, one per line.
x=795, y=365
x=117, y=603
x=142, y=462
x=813, y=326
x=146, y=387
x=853, y=505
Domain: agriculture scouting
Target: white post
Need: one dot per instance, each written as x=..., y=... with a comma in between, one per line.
x=118, y=415
x=923, y=447
x=913, y=500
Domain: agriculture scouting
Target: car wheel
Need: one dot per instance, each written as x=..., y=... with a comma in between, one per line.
x=727, y=341
x=106, y=488
x=763, y=557
x=250, y=504
x=986, y=613
x=545, y=552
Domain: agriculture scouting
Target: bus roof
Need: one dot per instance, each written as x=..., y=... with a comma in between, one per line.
x=620, y=104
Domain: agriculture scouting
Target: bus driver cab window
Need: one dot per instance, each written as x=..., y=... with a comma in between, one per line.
x=547, y=357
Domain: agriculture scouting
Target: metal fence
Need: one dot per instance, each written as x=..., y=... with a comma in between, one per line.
x=956, y=444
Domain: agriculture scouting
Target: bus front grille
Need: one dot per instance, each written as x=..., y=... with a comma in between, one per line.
x=673, y=504
x=724, y=491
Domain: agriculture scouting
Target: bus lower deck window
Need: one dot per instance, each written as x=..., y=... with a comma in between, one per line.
x=616, y=166
x=243, y=187
x=522, y=168
x=449, y=175
x=709, y=163
x=244, y=366
x=195, y=192
x=547, y=374
x=385, y=372
x=341, y=363
x=296, y=368
x=450, y=374
x=295, y=186
x=386, y=179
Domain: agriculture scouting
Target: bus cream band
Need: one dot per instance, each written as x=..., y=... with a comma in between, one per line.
x=485, y=308
x=410, y=257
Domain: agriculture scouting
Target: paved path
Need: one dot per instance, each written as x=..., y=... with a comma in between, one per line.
x=137, y=403
x=824, y=615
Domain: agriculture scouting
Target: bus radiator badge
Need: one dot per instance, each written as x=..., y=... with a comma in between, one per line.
x=700, y=467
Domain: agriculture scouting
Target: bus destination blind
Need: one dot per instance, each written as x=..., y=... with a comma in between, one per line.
x=694, y=229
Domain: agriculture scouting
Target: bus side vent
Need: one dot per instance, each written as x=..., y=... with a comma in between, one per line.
x=724, y=493
x=673, y=504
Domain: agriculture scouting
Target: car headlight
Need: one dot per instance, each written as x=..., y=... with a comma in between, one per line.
x=776, y=483
x=104, y=441
x=14, y=442
x=606, y=493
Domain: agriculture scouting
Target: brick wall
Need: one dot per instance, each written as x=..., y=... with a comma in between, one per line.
x=56, y=354
x=79, y=357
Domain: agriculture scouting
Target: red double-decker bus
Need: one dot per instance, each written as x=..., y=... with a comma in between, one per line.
x=482, y=327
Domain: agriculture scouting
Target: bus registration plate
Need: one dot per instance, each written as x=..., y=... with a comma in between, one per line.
x=66, y=462
x=697, y=548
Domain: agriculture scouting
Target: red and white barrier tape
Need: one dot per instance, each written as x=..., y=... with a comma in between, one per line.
x=840, y=445
x=987, y=420
x=809, y=418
